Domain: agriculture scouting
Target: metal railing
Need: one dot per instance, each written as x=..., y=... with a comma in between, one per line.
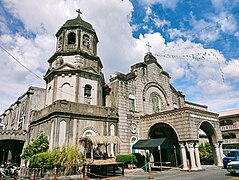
x=230, y=141
x=229, y=127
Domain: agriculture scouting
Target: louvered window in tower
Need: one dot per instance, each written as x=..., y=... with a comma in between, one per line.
x=86, y=41
x=87, y=90
x=71, y=38
x=87, y=94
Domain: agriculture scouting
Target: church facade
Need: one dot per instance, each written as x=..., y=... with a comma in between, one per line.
x=141, y=104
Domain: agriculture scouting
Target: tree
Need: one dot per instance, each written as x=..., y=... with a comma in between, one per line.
x=42, y=160
x=205, y=149
x=39, y=145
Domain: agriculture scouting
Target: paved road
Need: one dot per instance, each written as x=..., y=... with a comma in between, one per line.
x=210, y=173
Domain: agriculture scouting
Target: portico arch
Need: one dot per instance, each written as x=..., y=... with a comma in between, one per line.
x=170, y=154
x=211, y=134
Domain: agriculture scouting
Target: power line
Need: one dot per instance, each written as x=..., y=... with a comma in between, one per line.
x=20, y=63
x=32, y=71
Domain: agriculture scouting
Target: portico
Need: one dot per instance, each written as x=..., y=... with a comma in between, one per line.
x=181, y=127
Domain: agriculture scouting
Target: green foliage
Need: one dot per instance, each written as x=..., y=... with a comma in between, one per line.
x=205, y=149
x=55, y=156
x=126, y=158
x=39, y=145
x=43, y=160
x=70, y=158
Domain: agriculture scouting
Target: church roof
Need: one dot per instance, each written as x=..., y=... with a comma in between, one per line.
x=229, y=113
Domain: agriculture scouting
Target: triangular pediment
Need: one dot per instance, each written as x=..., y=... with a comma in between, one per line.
x=66, y=67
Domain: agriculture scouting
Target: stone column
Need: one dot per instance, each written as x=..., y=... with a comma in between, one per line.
x=55, y=92
x=219, y=159
x=220, y=150
x=184, y=157
x=77, y=89
x=192, y=157
x=197, y=156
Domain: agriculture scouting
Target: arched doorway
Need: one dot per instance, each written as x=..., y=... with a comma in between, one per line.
x=169, y=155
x=10, y=150
x=210, y=137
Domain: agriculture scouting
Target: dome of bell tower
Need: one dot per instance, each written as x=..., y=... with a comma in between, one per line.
x=78, y=22
x=77, y=35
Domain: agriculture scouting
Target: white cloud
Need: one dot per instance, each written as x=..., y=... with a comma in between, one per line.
x=165, y=3
x=173, y=33
x=160, y=23
x=237, y=34
x=231, y=70
x=117, y=48
x=3, y=22
x=48, y=17
x=203, y=29
x=148, y=13
x=226, y=21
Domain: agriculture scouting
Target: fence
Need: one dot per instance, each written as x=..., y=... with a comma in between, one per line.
x=45, y=173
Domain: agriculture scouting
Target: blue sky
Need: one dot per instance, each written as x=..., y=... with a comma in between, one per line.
x=196, y=42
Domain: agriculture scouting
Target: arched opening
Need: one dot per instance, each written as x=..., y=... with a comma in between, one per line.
x=66, y=88
x=62, y=134
x=228, y=136
x=87, y=92
x=168, y=153
x=226, y=122
x=10, y=150
x=86, y=41
x=207, y=135
x=155, y=102
x=60, y=41
x=71, y=39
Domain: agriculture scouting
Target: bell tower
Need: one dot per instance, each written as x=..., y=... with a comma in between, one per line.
x=77, y=35
x=75, y=70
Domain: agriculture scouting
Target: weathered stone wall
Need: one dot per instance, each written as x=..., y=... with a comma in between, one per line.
x=186, y=123
x=18, y=115
x=79, y=120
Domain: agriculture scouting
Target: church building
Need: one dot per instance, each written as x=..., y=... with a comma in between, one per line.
x=139, y=110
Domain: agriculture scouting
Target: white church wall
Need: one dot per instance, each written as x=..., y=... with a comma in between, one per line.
x=66, y=87
x=69, y=59
x=62, y=134
x=94, y=90
x=49, y=93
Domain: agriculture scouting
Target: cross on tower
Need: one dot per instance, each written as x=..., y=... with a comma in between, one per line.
x=148, y=47
x=79, y=12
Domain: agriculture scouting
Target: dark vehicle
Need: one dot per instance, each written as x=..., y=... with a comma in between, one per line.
x=231, y=156
x=208, y=160
x=233, y=167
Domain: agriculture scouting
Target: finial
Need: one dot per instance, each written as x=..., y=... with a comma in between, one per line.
x=148, y=47
x=79, y=12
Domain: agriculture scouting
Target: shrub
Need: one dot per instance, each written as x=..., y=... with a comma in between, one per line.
x=70, y=158
x=126, y=158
